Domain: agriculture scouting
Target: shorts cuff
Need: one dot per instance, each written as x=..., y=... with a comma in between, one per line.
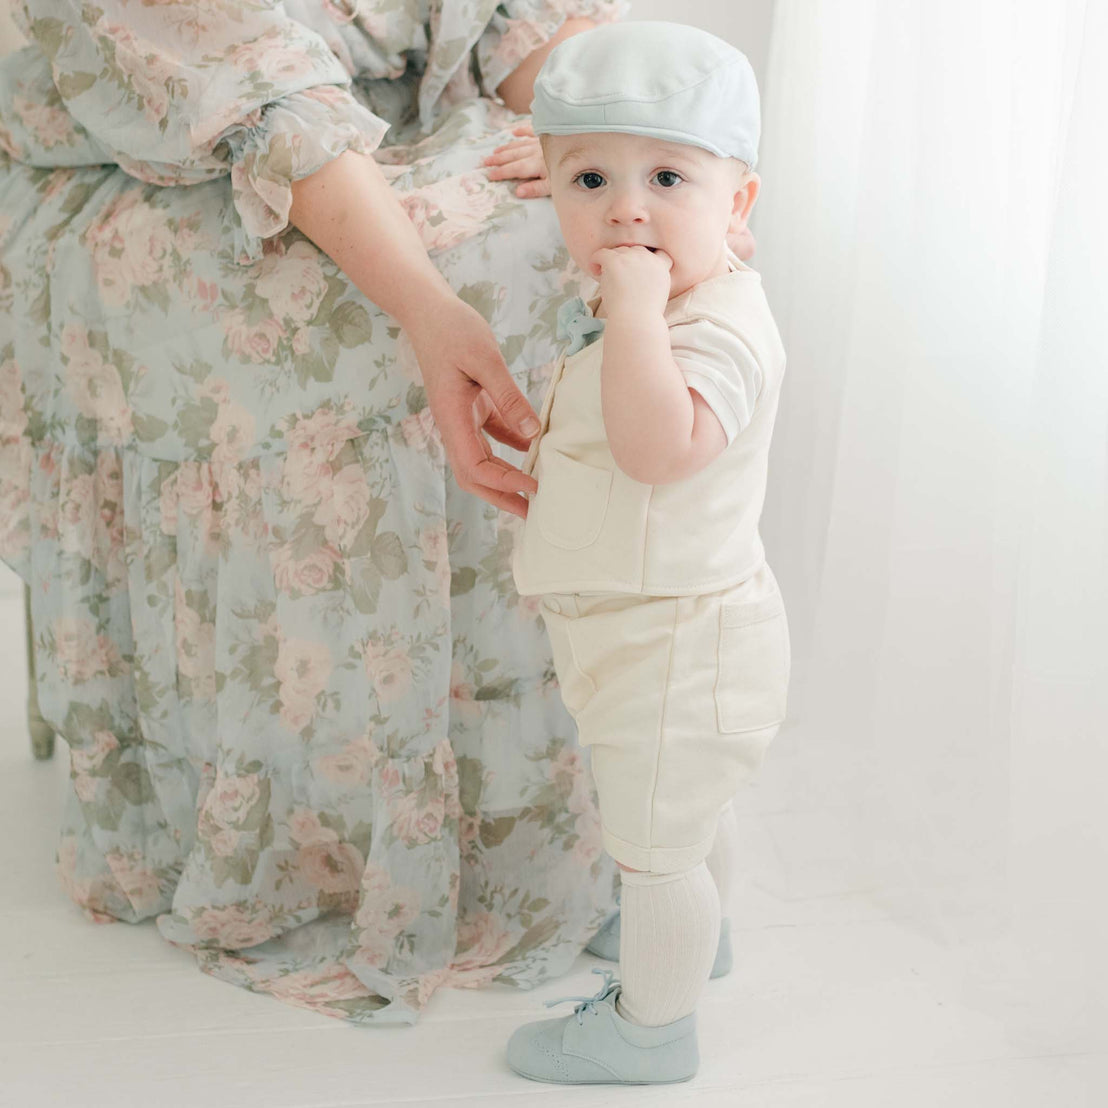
x=656, y=859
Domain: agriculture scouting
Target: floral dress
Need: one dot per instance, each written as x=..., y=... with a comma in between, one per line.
x=313, y=731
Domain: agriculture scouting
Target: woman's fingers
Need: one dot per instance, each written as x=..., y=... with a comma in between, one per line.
x=479, y=471
x=525, y=169
x=520, y=161
x=469, y=388
x=487, y=418
x=530, y=189
x=476, y=468
x=506, y=151
x=743, y=244
x=518, y=164
x=482, y=408
x=510, y=404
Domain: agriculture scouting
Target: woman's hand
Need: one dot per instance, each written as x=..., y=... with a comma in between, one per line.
x=743, y=244
x=349, y=211
x=470, y=390
x=522, y=161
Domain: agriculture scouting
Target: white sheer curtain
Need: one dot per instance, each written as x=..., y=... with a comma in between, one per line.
x=933, y=238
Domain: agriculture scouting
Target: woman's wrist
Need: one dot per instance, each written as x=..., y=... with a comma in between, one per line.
x=416, y=293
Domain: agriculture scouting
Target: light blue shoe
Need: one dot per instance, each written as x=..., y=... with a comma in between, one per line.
x=605, y=944
x=597, y=1046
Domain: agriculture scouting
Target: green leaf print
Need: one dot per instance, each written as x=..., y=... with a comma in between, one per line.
x=71, y=85
x=494, y=832
x=133, y=782
x=351, y=323
x=388, y=555
x=462, y=580
x=469, y=783
x=365, y=585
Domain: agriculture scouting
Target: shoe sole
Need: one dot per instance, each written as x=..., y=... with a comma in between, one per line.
x=600, y=1081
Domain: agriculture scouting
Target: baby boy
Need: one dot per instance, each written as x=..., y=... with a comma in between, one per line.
x=667, y=628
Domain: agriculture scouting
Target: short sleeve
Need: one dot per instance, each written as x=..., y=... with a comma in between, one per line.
x=722, y=368
x=518, y=27
x=181, y=93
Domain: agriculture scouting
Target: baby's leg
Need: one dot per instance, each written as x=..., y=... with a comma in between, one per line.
x=669, y=934
x=722, y=860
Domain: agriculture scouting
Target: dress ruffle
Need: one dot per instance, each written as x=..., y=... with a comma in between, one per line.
x=293, y=139
x=313, y=731
x=184, y=661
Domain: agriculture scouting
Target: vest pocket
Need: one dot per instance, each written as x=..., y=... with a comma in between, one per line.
x=753, y=665
x=572, y=500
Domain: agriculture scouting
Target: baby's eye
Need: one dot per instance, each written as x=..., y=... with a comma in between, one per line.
x=589, y=180
x=667, y=178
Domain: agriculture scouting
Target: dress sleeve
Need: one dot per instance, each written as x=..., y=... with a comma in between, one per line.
x=181, y=93
x=35, y=127
x=518, y=27
x=721, y=367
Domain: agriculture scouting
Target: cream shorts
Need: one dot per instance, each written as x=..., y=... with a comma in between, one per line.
x=678, y=698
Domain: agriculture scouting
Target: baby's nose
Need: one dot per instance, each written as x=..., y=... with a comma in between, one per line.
x=627, y=207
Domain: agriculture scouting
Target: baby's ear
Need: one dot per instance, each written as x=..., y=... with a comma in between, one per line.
x=743, y=201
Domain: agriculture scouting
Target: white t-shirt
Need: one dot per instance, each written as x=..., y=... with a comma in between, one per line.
x=720, y=366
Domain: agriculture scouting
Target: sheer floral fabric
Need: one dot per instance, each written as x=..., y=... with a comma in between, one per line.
x=313, y=732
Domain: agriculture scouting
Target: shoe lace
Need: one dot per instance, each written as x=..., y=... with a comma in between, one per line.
x=588, y=1002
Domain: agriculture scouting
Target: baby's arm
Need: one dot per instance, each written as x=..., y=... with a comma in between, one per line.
x=659, y=429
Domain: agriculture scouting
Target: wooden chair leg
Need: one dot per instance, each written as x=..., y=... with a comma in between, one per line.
x=42, y=734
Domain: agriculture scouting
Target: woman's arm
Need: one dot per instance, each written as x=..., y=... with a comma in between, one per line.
x=517, y=90
x=350, y=212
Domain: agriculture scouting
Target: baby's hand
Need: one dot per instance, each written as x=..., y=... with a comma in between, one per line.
x=632, y=277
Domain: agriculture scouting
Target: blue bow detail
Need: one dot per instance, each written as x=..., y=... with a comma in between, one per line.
x=589, y=1004
x=577, y=325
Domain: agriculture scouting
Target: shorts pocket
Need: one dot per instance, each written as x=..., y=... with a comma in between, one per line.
x=576, y=686
x=752, y=677
x=572, y=500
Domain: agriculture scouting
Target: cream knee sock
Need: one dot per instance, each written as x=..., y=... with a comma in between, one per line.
x=669, y=933
x=722, y=860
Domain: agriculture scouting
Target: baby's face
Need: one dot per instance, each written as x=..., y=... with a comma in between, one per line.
x=614, y=189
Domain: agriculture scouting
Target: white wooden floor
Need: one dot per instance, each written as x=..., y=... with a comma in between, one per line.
x=829, y=1005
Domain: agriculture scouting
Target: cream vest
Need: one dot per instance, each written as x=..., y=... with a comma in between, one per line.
x=591, y=528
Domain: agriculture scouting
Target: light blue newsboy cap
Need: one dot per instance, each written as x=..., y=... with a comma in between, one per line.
x=667, y=80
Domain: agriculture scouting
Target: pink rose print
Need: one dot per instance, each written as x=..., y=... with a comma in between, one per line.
x=233, y=927
x=331, y=867
x=390, y=670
